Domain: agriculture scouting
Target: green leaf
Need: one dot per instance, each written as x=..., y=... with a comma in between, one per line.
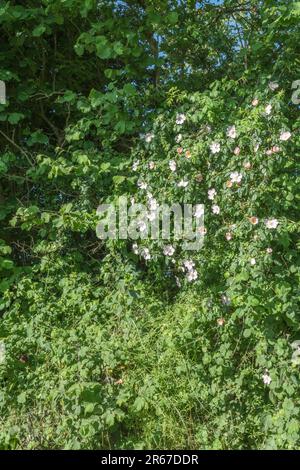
x=21, y=398
x=6, y=264
x=104, y=51
x=172, y=17
x=118, y=48
x=104, y=166
x=118, y=179
x=139, y=403
x=39, y=30
x=68, y=97
x=120, y=127
x=129, y=89
x=37, y=137
x=79, y=49
x=45, y=217
x=247, y=333
x=242, y=276
x=295, y=8
x=14, y=118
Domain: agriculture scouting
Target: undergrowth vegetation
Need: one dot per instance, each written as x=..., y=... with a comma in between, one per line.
x=140, y=344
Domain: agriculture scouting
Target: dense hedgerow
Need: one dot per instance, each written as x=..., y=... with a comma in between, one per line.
x=142, y=356
x=112, y=344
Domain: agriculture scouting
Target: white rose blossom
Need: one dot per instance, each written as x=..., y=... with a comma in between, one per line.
x=202, y=230
x=135, y=248
x=172, y=165
x=236, y=177
x=145, y=253
x=225, y=300
x=216, y=209
x=266, y=378
x=271, y=223
x=231, y=132
x=142, y=185
x=211, y=193
x=149, y=136
x=182, y=184
x=285, y=135
x=256, y=146
x=273, y=86
x=135, y=165
x=215, y=147
x=188, y=264
x=268, y=109
x=192, y=275
x=2, y=352
x=169, y=250
x=180, y=118
x=199, y=211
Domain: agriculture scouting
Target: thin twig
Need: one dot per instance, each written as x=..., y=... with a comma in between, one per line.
x=18, y=147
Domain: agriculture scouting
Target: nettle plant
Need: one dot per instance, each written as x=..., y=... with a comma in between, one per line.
x=234, y=152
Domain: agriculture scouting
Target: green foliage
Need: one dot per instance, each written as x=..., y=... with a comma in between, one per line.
x=100, y=347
